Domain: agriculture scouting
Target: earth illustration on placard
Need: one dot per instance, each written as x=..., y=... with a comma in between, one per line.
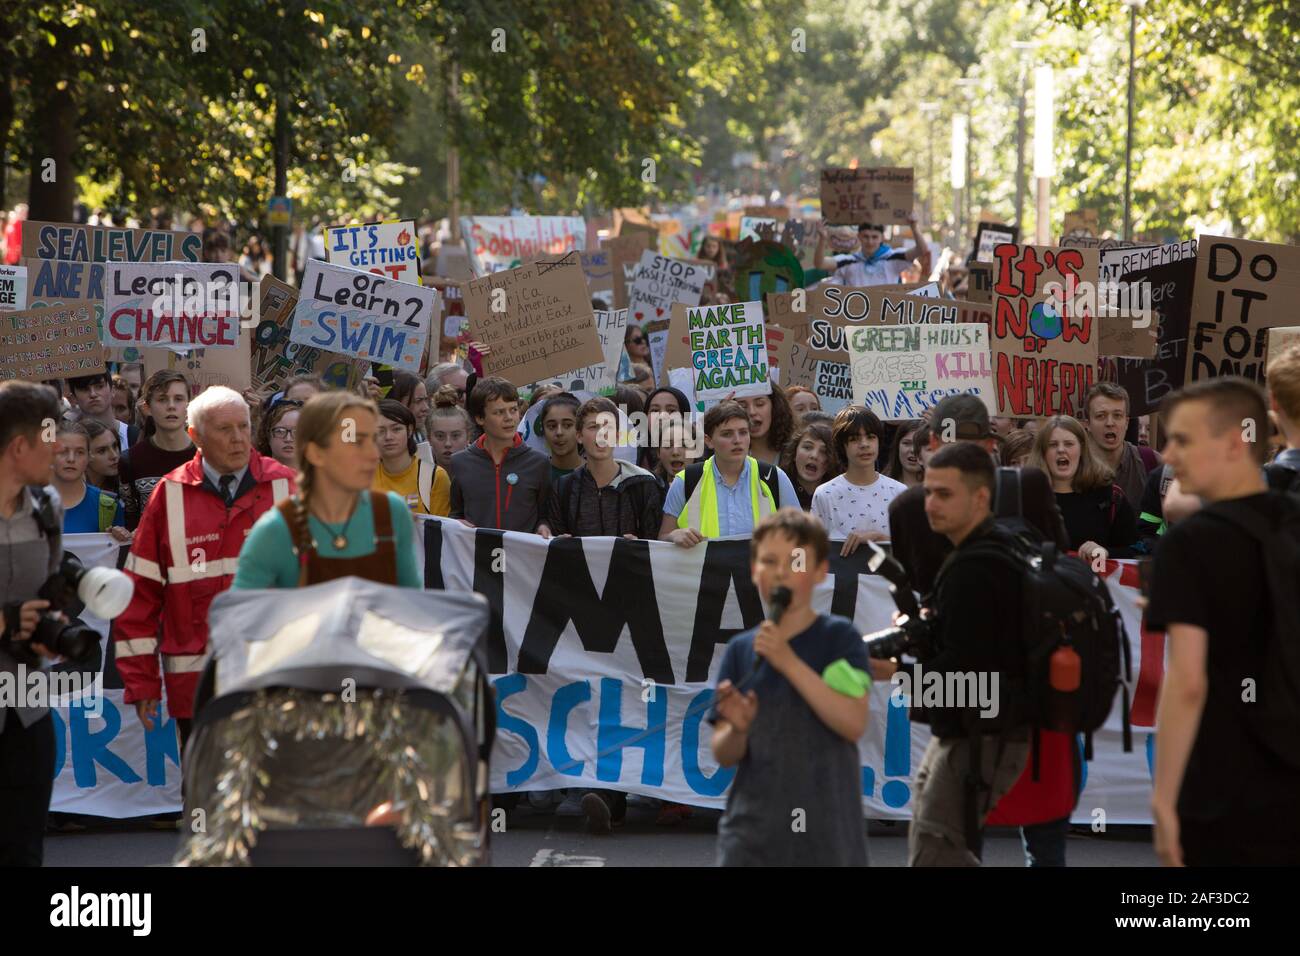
x=1045, y=321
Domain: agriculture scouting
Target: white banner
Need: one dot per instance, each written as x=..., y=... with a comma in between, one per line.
x=106, y=763
x=13, y=288
x=178, y=304
x=496, y=243
x=609, y=687
x=613, y=693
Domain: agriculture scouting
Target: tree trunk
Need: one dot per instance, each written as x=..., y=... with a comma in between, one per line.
x=53, y=186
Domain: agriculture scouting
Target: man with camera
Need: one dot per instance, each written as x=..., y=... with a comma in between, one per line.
x=979, y=747
x=31, y=547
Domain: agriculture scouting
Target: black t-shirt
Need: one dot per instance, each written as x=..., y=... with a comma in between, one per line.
x=1210, y=574
x=1087, y=516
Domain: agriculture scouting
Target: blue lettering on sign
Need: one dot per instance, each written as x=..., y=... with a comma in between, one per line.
x=898, y=759
x=557, y=751
x=89, y=748
x=505, y=687
x=160, y=745
x=612, y=736
x=695, y=779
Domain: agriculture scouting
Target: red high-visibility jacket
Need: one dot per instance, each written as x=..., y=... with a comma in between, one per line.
x=184, y=554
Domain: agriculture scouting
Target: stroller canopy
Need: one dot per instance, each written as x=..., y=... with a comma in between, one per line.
x=377, y=634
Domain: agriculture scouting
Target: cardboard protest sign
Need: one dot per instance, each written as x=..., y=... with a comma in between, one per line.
x=1128, y=324
x=598, y=379
x=1279, y=340
x=979, y=285
x=62, y=240
x=537, y=318
x=829, y=310
x=60, y=341
x=13, y=288
x=276, y=359
x=599, y=273
x=779, y=213
x=497, y=243
x=900, y=371
x=728, y=350
x=1148, y=381
x=882, y=195
x=363, y=315
x=643, y=230
x=659, y=283
x=453, y=322
x=386, y=248
x=453, y=263
x=206, y=367
x=1045, y=333
x=624, y=258
x=1081, y=222
x=1077, y=241
x=778, y=351
x=991, y=234
x=189, y=304
x=1242, y=289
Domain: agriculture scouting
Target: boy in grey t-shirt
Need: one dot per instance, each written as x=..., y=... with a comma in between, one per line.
x=791, y=725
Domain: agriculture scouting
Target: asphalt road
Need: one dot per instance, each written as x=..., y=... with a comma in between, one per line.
x=546, y=838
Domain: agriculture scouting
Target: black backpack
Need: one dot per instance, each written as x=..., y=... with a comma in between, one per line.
x=1274, y=717
x=1064, y=605
x=1283, y=472
x=767, y=473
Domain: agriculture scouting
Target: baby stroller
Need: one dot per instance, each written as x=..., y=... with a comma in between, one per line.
x=346, y=723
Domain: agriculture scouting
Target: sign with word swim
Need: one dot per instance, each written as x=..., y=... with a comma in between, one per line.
x=366, y=316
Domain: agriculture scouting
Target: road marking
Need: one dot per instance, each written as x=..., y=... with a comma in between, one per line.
x=558, y=858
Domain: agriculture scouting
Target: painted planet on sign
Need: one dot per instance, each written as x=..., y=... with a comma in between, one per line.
x=1045, y=321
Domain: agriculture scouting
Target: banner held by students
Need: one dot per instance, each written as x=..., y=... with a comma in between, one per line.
x=659, y=283
x=366, y=316
x=497, y=243
x=901, y=371
x=64, y=240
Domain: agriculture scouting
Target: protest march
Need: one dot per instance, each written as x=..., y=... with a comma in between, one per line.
x=690, y=442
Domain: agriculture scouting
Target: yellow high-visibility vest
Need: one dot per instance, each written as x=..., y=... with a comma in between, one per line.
x=701, y=511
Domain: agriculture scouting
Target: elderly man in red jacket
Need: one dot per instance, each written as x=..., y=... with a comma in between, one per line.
x=185, y=551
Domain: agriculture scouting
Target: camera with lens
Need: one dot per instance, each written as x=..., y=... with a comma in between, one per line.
x=912, y=634
x=105, y=592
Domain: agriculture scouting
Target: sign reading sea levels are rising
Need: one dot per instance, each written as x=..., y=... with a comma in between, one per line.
x=364, y=315
x=191, y=304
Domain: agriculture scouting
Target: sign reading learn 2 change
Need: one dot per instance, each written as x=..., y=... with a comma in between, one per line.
x=385, y=248
x=189, y=304
x=364, y=315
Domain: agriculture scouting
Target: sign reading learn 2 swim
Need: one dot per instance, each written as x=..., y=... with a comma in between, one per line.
x=366, y=316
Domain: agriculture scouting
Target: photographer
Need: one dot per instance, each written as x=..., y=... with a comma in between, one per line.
x=31, y=544
x=978, y=749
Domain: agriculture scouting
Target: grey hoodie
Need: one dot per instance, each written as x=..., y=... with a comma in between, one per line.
x=512, y=496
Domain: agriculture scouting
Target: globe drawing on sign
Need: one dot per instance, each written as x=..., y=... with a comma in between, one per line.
x=1045, y=321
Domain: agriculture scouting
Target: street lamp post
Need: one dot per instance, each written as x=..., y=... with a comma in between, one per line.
x=929, y=111
x=1023, y=46
x=957, y=175
x=1044, y=123
x=1128, y=138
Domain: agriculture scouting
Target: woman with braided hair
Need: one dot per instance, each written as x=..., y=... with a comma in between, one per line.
x=335, y=526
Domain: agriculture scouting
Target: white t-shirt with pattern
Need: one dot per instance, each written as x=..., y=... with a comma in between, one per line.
x=845, y=507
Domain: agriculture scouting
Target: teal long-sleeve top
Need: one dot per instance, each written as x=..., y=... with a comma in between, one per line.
x=267, y=560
